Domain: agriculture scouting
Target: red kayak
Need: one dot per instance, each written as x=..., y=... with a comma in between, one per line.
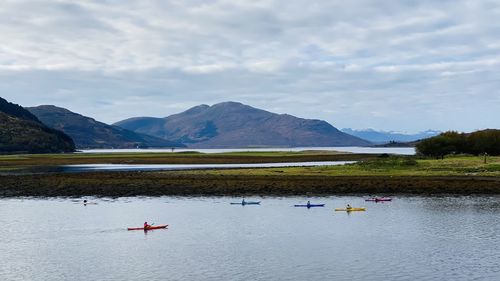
x=379, y=199
x=149, y=228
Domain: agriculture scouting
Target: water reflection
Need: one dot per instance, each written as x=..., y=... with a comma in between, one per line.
x=410, y=238
x=173, y=167
x=352, y=149
x=164, y=167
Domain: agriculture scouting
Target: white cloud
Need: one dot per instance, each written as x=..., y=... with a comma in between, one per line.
x=263, y=66
x=208, y=68
x=354, y=63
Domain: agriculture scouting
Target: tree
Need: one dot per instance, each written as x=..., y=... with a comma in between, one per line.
x=437, y=146
x=486, y=141
x=477, y=143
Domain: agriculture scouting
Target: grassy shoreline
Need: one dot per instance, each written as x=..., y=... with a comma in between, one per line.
x=374, y=174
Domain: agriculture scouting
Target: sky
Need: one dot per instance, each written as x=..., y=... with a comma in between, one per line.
x=400, y=65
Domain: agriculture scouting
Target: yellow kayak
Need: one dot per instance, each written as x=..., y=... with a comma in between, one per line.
x=351, y=209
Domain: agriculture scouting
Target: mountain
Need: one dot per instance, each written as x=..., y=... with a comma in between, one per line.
x=22, y=132
x=232, y=124
x=381, y=137
x=89, y=133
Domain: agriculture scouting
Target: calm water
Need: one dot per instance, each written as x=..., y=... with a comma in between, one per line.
x=411, y=238
x=173, y=167
x=353, y=149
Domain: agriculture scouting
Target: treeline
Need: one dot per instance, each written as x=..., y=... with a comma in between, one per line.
x=477, y=143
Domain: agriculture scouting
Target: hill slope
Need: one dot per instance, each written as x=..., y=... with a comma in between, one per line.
x=231, y=124
x=22, y=132
x=89, y=133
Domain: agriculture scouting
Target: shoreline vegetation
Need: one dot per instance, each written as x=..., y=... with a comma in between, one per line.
x=372, y=174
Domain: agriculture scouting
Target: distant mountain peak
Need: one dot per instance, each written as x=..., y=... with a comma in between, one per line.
x=54, y=108
x=231, y=106
x=234, y=124
x=89, y=133
x=225, y=104
x=229, y=103
x=197, y=109
x=380, y=137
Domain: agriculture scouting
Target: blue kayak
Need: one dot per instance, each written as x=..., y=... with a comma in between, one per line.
x=310, y=205
x=247, y=203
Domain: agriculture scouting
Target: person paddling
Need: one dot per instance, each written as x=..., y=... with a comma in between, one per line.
x=146, y=225
x=348, y=207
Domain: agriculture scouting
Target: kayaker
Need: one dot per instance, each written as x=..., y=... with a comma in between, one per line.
x=84, y=202
x=243, y=202
x=146, y=225
x=348, y=207
x=308, y=203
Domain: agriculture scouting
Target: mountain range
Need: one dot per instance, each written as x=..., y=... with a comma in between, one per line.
x=233, y=124
x=89, y=133
x=382, y=137
x=22, y=132
x=48, y=128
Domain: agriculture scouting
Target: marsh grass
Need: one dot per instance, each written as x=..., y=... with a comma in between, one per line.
x=391, y=166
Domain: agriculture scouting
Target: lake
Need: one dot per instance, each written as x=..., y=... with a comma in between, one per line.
x=352, y=149
x=410, y=238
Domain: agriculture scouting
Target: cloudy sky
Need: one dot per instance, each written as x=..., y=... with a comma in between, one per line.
x=391, y=65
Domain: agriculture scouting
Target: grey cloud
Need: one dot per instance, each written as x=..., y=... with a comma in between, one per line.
x=404, y=65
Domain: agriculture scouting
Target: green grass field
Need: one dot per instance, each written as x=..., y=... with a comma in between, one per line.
x=392, y=166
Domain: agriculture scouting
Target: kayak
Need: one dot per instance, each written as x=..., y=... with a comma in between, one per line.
x=310, y=205
x=379, y=199
x=149, y=228
x=350, y=210
x=246, y=203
